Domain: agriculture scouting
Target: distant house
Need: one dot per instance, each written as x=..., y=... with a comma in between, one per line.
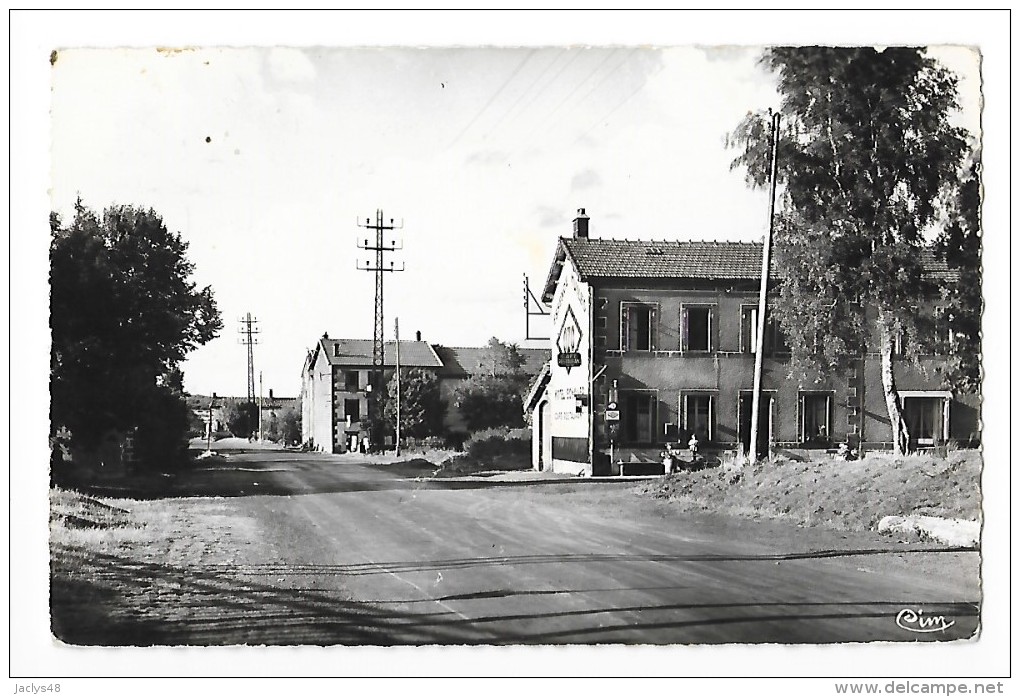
x=335, y=384
x=335, y=387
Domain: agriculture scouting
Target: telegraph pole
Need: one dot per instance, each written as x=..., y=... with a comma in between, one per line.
x=396, y=333
x=249, y=337
x=260, y=406
x=766, y=257
x=380, y=246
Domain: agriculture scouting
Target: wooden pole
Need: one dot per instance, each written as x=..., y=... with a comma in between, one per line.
x=766, y=260
x=396, y=331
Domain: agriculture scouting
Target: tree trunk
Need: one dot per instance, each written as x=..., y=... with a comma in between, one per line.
x=892, y=398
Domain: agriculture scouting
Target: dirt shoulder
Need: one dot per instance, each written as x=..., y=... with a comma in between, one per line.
x=832, y=493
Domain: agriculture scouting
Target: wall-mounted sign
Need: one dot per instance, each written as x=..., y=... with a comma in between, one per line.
x=568, y=360
x=612, y=415
x=568, y=341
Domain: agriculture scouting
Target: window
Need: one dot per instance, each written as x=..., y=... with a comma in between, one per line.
x=638, y=416
x=775, y=340
x=815, y=418
x=927, y=418
x=748, y=328
x=352, y=381
x=696, y=321
x=637, y=327
x=352, y=410
x=698, y=411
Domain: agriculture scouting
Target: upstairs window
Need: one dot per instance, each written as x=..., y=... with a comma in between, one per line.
x=637, y=327
x=775, y=340
x=696, y=323
x=352, y=381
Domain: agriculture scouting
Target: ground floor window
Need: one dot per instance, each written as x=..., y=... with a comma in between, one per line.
x=815, y=418
x=927, y=418
x=638, y=417
x=699, y=416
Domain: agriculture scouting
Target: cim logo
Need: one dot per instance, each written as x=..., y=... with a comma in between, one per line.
x=568, y=341
x=916, y=621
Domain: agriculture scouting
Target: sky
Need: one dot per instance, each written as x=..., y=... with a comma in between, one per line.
x=266, y=159
x=485, y=155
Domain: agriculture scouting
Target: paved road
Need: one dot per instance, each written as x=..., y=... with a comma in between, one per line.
x=357, y=553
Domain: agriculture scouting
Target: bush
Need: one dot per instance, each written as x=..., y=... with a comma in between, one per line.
x=499, y=441
x=161, y=434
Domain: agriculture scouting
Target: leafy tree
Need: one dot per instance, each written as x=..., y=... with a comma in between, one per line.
x=124, y=313
x=421, y=405
x=500, y=359
x=960, y=246
x=866, y=154
x=285, y=427
x=494, y=396
x=241, y=418
x=485, y=401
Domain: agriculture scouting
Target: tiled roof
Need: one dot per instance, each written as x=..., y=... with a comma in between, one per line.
x=463, y=361
x=358, y=352
x=600, y=258
x=723, y=261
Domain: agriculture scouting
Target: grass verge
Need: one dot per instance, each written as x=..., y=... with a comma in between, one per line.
x=837, y=494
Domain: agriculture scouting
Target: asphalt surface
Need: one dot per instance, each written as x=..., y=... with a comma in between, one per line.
x=357, y=553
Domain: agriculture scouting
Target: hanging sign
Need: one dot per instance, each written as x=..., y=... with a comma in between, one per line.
x=568, y=341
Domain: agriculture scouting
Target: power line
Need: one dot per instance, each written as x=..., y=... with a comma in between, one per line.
x=493, y=97
x=575, y=90
x=536, y=94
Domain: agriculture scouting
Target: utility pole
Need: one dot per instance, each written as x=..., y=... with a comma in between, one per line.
x=260, y=406
x=396, y=333
x=766, y=260
x=249, y=337
x=380, y=247
x=208, y=442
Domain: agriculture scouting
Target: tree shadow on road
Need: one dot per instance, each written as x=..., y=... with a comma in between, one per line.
x=106, y=600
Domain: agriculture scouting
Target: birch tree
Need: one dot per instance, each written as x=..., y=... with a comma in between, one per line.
x=867, y=153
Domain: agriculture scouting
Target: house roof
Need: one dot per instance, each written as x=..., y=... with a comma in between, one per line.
x=537, y=387
x=596, y=258
x=358, y=353
x=459, y=361
x=648, y=259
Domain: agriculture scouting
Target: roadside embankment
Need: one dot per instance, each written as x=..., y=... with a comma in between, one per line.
x=931, y=497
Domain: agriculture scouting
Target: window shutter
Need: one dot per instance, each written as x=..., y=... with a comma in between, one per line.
x=711, y=328
x=624, y=327
x=653, y=325
x=683, y=331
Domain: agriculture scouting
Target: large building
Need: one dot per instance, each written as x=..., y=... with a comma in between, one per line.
x=653, y=342
x=335, y=385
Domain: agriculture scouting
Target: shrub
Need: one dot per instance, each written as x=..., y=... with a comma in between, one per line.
x=499, y=441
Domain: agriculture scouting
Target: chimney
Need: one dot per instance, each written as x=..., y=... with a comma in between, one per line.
x=581, y=225
x=417, y=336
x=270, y=393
